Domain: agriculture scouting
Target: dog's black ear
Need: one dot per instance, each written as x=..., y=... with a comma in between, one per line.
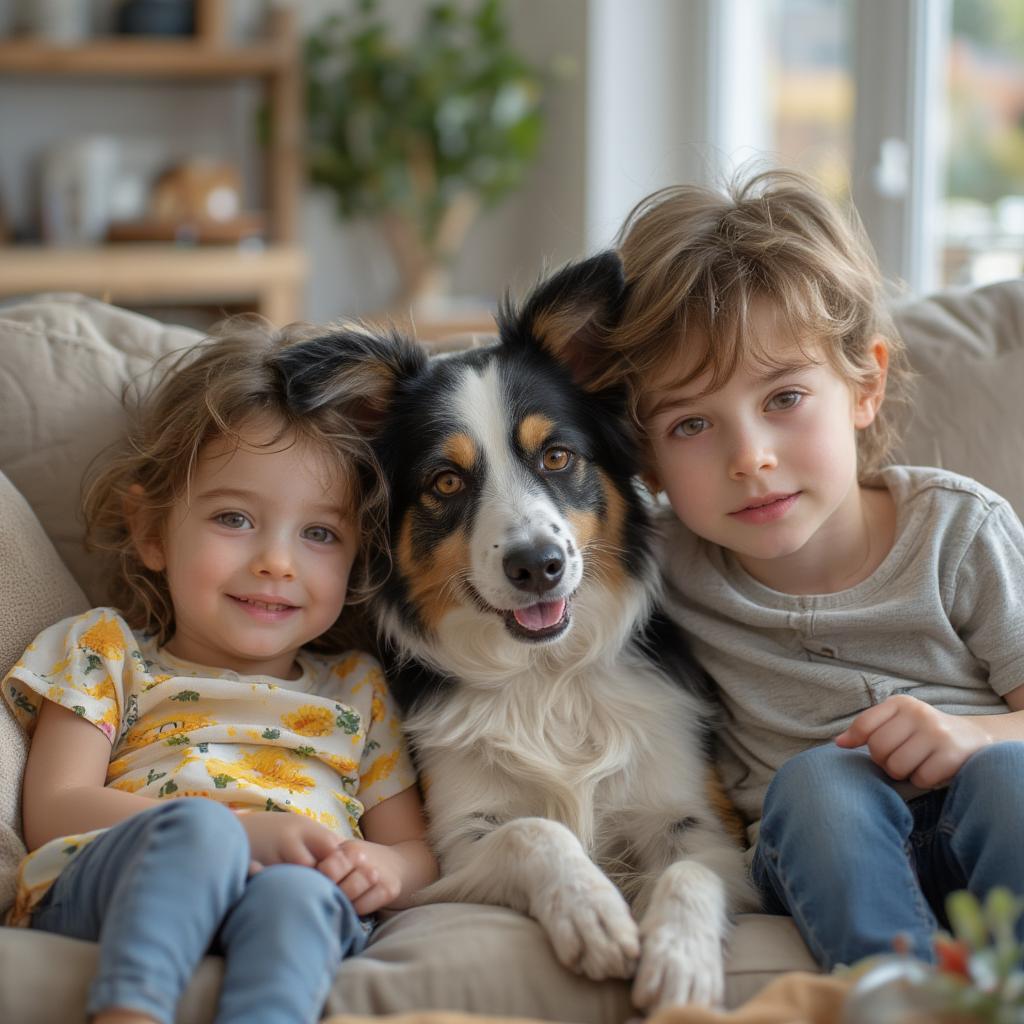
x=570, y=314
x=354, y=369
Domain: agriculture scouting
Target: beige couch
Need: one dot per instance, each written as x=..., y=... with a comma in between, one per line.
x=63, y=363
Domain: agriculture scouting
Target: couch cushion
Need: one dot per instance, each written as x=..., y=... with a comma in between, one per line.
x=475, y=958
x=967, y=347
x=451, y=956
x=44, y=979
x=64, y=363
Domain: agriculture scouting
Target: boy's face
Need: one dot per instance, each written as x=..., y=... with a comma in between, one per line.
x=766, y=466
x=258, y=557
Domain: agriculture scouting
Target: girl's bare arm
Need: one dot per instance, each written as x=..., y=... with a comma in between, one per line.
x=63, y=792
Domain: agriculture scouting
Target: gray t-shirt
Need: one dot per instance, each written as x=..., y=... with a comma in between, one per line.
x=942, y=619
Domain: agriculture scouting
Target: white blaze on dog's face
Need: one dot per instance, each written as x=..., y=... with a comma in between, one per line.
x=523, y=557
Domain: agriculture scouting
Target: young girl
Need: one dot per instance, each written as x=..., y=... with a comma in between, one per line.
x=198, y=775
x=865, y=625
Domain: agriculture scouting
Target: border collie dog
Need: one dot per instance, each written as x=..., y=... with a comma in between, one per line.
x=561, y=727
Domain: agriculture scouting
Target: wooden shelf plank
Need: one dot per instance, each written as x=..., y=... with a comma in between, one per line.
x=143, y=58
x=270, y=278
x=149, y=267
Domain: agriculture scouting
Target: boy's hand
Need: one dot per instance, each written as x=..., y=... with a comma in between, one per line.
x=276, y=838
x=910, y=739
x=369, y=874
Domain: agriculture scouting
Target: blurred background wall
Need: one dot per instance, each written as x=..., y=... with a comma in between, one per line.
x=914, y=109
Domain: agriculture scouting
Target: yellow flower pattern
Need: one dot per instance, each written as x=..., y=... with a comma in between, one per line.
x=310, y=720
x=381, y=768
x=169, y=729
x=268, y=768
x=342, y=765
x=346, y=665
x=105, y=638
x=326, y=745
x=102, y=691
x=128, y=785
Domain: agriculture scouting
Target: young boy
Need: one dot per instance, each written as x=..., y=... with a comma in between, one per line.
x=865, y=625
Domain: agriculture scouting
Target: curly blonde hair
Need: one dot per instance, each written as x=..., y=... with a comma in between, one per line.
x=696, y=258
x=213, y=390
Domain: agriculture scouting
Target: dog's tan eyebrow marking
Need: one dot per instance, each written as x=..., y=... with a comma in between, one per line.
x=534, y=431
x=460, y=449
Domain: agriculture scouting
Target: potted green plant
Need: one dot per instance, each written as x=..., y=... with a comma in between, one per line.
x=978, y=977
x=420, y=135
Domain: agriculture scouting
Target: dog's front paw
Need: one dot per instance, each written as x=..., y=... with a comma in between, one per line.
x=676, y=967
x=592, y=930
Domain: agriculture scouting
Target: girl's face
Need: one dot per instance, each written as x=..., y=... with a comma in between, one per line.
x=257, y=555
x=766, y=466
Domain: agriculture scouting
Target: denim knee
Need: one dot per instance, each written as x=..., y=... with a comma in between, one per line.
x=829, y=783
x=989, y=785
x=818, y=773
x=295, y=888
x=294, y=892
x=999, y=765
x=212, y=832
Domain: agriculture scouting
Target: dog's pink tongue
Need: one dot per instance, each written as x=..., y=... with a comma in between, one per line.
x=542, y=615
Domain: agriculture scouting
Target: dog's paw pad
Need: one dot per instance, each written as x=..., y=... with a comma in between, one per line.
x=595, y=934
x=676, y=968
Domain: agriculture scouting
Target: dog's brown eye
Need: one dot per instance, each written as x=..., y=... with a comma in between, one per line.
x=557, y=458
x=447, y=483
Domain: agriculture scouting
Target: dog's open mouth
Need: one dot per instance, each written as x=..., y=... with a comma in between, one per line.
x=544, y=620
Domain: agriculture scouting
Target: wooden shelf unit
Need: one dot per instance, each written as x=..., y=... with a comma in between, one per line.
x=270, y=279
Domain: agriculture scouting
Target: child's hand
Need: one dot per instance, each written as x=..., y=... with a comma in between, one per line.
x=910, y=739
x=369, y=874
x=276, y=838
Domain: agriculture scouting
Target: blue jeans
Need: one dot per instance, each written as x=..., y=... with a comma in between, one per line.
x=856, y=865
x=162, y=888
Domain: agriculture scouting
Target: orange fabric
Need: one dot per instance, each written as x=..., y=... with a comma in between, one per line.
x=794, y=998
x=427, y=1017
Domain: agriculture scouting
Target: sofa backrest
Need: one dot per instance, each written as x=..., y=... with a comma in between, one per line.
x=65, y=360
x=967, y=347
x=64, y=363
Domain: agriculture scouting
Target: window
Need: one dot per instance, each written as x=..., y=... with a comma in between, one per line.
x=983, y=202
x=811, y=88
x=914, y=108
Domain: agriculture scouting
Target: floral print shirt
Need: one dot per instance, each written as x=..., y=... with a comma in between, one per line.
x=328, y=744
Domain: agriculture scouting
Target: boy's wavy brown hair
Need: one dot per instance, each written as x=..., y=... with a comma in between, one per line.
x=208, y=391
x=696, y=258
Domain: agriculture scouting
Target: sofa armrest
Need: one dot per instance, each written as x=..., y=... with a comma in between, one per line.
x=36, y=590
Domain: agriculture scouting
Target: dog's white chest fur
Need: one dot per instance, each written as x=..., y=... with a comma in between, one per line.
x=591, y=749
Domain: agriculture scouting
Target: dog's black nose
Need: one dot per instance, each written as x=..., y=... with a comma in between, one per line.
x=536, y=569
